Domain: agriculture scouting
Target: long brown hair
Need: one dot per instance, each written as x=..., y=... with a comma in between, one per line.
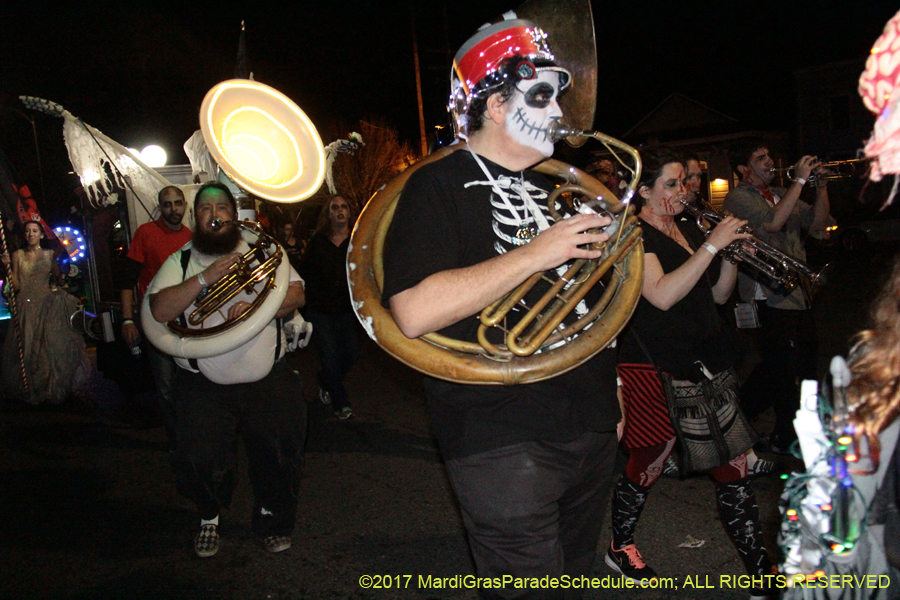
x=874, y=390
x=323, y=223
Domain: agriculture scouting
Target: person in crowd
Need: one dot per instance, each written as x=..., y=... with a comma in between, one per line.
x=605, y=173
x=249, y=392
x=54, y=356
x=787, y=340
x=531, y=465
x=874, y=398
x=152, y=244
x=292, y=246
x=328, y=308
x=693, y=176
x=676, y=330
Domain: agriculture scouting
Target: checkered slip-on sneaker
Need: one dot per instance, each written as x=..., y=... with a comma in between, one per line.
x=277, y=543
x=206, y=543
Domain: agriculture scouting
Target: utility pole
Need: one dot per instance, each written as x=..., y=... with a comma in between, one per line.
x=418, y=81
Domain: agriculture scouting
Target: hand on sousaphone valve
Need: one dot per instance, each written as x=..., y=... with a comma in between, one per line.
x=567, y=239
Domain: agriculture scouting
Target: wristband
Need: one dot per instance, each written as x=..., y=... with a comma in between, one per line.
x=127, y=321
x=201, y=280
x=799, y=180
x=711, y=248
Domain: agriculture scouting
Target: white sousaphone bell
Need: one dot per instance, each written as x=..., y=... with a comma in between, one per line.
x=269, y=147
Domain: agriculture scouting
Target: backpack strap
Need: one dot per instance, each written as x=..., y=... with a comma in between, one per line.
x=185, y=260
x=279, y=323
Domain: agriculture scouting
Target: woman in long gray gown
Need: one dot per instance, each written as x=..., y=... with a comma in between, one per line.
x=56, y=362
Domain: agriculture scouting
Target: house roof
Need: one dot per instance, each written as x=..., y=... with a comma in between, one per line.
x=678, y=113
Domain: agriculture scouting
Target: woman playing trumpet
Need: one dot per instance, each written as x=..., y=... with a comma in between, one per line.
x=676, y=333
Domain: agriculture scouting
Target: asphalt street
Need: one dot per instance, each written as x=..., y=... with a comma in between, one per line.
x=89, y=510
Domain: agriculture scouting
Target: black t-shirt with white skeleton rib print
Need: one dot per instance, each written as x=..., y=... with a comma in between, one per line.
x=448, y=217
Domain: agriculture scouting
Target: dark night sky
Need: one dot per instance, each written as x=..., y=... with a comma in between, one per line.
x=138, y=71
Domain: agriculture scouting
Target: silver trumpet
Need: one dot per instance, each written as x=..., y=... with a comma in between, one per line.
x=836, y=169
x=784, y=271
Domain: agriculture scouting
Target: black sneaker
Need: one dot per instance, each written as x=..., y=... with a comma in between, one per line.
x=206, y=543
x=324, y=396
x=780, y=445
x=628, y=562
x=671, y=468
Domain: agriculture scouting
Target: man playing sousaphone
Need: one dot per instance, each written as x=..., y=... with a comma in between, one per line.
x=531, y=465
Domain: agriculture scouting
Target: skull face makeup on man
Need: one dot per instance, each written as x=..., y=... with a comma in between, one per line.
x=532, y=108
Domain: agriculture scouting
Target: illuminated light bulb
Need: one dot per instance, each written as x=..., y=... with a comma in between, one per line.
x=837, y=548
x=153, y=156
x=847, y=482
x=785, y=476
x=817, y=574
x=791, y=512
x=875, y=50
x=851, y=458
x=845, y=440
x=825, y=507
x=848, y=545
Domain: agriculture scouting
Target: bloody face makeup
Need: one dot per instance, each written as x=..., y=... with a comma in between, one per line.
x=664, y=198
x=532, y=108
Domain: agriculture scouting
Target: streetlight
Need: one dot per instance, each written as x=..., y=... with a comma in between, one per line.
x=153, y=156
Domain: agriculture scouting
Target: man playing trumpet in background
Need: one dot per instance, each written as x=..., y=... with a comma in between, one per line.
x=531, y=465
x=787, y=338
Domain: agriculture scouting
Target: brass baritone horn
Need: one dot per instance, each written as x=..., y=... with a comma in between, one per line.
x=271, y=149
x=784, y=270
x=256, y=266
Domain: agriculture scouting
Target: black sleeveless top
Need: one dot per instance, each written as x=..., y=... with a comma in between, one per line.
x=689, y=331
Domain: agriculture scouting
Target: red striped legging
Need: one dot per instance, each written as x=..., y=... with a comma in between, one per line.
x=649, y=435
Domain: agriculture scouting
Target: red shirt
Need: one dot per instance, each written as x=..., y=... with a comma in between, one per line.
x=152, y=244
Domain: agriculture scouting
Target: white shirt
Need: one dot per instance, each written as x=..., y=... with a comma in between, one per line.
x=247, y=363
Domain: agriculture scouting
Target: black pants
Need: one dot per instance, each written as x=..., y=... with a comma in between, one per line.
x=535, y=509
x=788, y=346
x=270, y=416
x=337, y=338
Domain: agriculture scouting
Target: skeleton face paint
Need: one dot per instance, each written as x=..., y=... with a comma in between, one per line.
x=531, y=110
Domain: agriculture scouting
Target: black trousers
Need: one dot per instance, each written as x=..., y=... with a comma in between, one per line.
x=535, y=509
x=269, y=416
x=789, y=347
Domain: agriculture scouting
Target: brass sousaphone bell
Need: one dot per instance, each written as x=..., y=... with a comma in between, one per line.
x=268, y=146
x=538, y=348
